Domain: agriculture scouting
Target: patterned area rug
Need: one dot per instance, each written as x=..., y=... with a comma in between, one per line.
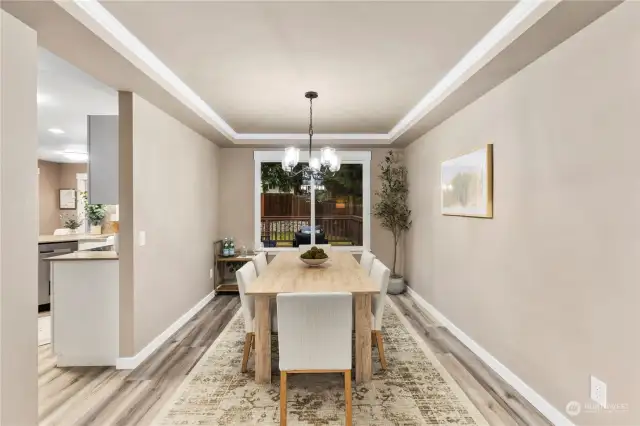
x=415, y=389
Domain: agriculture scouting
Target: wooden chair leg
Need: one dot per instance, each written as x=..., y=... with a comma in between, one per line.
x=283, y=398
x=248, y=338
x=380, y=345
x=253, y=341
x=374, y=340
x=347, y=396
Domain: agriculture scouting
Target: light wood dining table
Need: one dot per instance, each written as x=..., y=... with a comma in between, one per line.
x=288, y=274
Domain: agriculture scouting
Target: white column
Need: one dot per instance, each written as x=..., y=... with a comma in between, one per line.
x=18, y=223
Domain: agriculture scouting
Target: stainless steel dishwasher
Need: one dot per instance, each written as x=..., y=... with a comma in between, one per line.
x=44, y=269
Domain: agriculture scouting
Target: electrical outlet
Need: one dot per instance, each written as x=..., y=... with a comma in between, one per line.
x=599, y=391
x=210, y=273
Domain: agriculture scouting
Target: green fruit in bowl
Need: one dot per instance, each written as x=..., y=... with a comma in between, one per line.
x=314, y=253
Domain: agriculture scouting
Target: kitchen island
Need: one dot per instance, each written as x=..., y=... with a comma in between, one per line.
x=55, y=245
x=48, y=239
x=84, y=308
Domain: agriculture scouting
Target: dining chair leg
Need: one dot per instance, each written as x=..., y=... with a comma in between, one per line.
x=283, y=398
x=380, y=345
x=347, y=396
x=248, y=338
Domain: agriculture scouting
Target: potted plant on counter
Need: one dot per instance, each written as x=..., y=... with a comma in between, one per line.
x=95, y=214
x=71, y=223
x=392, y=209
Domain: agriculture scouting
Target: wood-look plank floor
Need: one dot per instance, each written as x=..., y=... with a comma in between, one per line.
x=104, y=396
x=498, y=402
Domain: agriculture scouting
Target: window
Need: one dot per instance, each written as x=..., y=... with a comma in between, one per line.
x=287, y=208
x=339, y=207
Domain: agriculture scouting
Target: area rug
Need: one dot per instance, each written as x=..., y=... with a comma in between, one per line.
x=414, y=390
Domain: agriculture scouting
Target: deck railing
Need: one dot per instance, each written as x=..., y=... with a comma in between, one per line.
x=343, y=229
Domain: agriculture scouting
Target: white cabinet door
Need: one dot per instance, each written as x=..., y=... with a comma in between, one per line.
x=102, y=142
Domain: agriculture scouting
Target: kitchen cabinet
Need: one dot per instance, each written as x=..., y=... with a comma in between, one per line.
x=102, y=142
x=45, y=251
x=85, y=308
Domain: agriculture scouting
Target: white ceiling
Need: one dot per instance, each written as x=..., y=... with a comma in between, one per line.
x=400, y=51
x=66, y=96
x=252, y=62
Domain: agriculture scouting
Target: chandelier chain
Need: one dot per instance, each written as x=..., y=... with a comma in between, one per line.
x=310, y=124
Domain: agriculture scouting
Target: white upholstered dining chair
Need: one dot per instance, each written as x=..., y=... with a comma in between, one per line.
x=305, y=247
x=260, y=262
x=366, y=260
x=314, y=336
x=380, y=275
x=245, y=277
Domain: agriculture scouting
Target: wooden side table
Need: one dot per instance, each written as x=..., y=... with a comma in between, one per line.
x=224, y=285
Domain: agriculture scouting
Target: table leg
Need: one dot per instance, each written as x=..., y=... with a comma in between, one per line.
x=263, y=340
x=363, y=337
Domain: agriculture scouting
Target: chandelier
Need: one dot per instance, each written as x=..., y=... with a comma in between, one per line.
x=318, y=168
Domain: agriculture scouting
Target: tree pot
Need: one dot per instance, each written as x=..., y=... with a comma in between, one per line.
x=96, y=229
x=396, y=285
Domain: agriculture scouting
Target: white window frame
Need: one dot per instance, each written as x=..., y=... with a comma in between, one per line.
x=347, y=157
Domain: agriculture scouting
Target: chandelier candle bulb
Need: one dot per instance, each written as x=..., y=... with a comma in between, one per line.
x=291, y=158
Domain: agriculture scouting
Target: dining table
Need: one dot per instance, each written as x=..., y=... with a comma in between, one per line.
x=286, y=273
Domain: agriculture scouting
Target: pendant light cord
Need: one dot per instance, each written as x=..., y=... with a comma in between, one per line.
x=310, y=124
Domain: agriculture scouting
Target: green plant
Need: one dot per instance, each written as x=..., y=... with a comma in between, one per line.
x=72, y=223
x=95, y=212
x=391, y=207
x=314, y=253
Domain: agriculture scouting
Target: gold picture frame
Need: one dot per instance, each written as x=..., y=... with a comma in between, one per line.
x=466, y=184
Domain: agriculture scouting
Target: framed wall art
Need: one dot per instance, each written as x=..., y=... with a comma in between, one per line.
x=68, y=199
x=467, y=184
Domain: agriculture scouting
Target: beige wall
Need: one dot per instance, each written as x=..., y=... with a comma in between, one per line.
x=237, y=168
x=236, y=194
x=550, y=286
x=175, y=202
x=52, y=178
x=18, y=223
x=68, y=172
x=48, y=202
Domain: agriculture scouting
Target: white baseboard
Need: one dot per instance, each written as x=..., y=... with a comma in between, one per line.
x=83, y=361
x=129, y=363
x=549, y=411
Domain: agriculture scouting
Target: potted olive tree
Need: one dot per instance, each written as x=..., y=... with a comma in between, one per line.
x=392, y=209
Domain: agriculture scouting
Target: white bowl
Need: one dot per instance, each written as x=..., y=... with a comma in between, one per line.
x=314, y=262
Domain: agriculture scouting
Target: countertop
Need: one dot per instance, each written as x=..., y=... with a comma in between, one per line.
x=46, y=239
x=85, y=255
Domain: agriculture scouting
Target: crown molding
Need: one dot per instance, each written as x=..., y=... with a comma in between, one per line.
x=101, y=22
